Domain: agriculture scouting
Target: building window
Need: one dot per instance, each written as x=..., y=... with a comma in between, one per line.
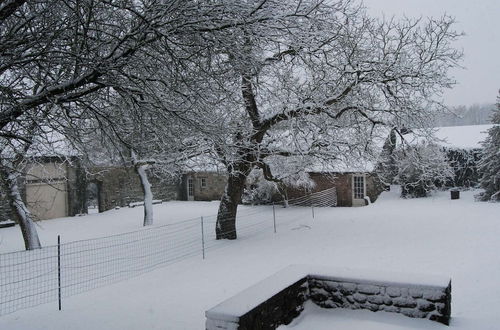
x=359, y=187
x=203, y=183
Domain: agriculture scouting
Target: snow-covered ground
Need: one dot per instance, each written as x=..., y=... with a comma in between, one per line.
x=458, y=238
x=317, y=318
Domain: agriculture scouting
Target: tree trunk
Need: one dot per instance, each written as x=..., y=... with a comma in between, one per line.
x=148, y=195
x=19, y=210
x=284, y=193
x=226, y=217
x=140, y=168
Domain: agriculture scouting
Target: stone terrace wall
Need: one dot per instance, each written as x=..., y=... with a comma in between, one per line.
x=433, y=303
x=280, y=309
x=278, y=299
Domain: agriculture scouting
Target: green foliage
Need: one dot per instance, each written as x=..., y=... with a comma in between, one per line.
x=489, y=166
x=464, y=163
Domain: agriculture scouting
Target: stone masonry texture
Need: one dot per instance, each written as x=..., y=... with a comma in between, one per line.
x=416, y=301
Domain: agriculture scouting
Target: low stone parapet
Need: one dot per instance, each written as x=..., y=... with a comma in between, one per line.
x=280, y=298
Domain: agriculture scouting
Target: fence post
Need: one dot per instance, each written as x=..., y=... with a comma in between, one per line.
x=312, y=209
x=274, y=219
x=59, y=269
x=202, y=239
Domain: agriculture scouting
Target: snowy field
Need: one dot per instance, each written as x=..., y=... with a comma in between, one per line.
x=459, y=238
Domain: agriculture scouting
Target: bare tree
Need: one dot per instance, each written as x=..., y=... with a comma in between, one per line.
x=58, y=59
x=54, y=53
x=315, y=79
x=257, y=79
x=148, y=136
x=12, y=161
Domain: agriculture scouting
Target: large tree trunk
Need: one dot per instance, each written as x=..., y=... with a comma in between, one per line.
x=226, y=217
x=19, y=210
x=140, y=168
x=148, y=195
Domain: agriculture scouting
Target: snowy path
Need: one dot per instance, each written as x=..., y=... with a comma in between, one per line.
x=432, y=235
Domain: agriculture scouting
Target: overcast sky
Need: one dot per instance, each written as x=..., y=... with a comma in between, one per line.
x=479, y=82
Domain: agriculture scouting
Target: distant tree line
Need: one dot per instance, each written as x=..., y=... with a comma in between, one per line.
x=476, y=114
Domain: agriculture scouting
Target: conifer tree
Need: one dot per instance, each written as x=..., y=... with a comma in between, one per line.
x=489, y=165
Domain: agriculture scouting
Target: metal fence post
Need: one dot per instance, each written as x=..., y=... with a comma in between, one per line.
x=59, y=269
x=202, y=239
x=274, y=219
x=312, y=209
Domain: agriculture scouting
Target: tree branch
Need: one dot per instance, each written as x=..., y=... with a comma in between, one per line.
x=10, y=8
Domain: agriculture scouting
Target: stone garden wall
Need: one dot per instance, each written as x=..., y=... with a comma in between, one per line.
x=120, y=186
x=418, y=301
x=279, y=299
x=280, y=309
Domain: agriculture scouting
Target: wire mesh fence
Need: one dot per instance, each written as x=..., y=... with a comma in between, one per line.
x=30, y=278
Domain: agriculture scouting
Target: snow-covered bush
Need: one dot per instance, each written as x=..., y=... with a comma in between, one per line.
x=258, y=190
x=489, y=165
x=421, y=168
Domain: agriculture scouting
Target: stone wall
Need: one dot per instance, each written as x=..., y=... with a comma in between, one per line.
x=215, y=183
x=5, y=213
x=77, y=185
x=433, y=303
x=120, y=186
x=280, y=298
x=280, y=309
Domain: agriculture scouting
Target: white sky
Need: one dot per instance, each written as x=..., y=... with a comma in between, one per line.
x=479, y=82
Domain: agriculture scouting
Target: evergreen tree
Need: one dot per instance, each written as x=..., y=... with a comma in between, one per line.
x=489, y=166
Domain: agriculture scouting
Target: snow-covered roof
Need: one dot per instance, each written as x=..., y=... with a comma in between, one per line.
x=361, y=159
x=350, y=164
x=465, y=137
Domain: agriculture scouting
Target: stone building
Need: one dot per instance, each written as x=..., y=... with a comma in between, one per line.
x=120, y=186
x=52, y=187
x=202, y=186
x=55, y=187
x=351, y=188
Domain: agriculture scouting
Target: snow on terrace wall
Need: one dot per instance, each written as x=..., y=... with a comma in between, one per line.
x=280, y=309
x=281, y=297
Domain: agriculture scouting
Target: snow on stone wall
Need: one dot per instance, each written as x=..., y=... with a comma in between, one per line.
x=261, y=307
x=433, y=303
